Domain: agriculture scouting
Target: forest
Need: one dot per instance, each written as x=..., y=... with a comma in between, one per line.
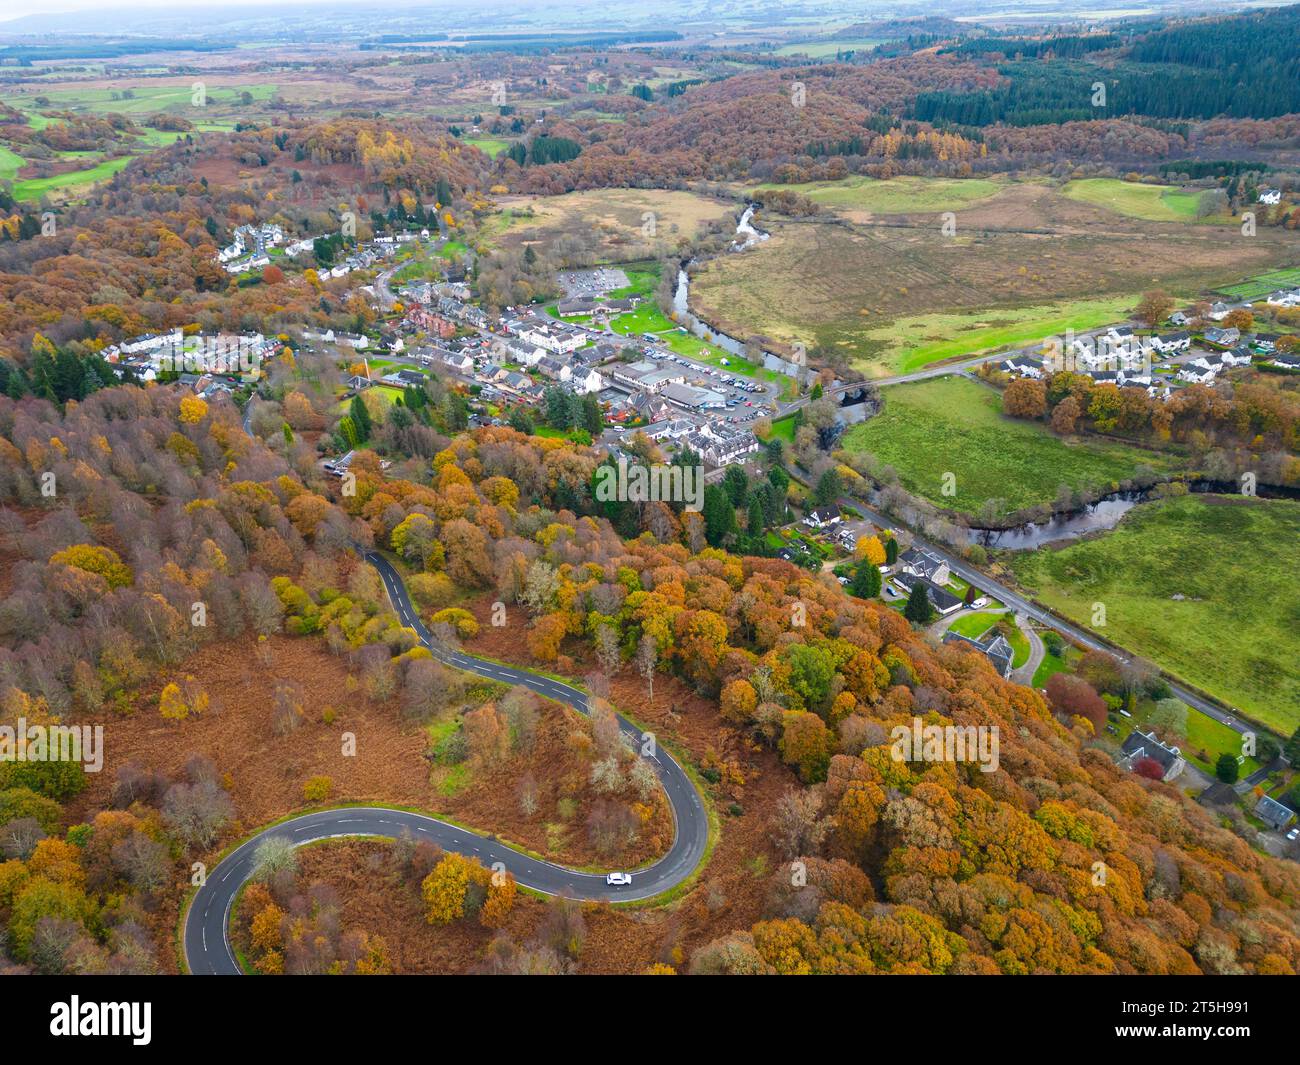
x=910, y=867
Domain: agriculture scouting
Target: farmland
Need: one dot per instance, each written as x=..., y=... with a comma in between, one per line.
x=1155, y=203
x=614, y=220
x=900, y=195
x=914, y=342
x=70, y=182
x=492, y=146
x=137, y=101
x=1192, y=583
x=1257, y=287
x=1025, y=263
x=951, y=425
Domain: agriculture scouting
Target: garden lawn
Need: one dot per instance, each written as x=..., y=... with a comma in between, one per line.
x=954, y=425
x=1235, y=631
x=1049, y=666
x=974, y=626
x=783, y=429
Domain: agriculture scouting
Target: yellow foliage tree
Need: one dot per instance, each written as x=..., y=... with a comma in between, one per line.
x=870, y=548
x=500, y=901
x=99, y=560
x=445, y=888
x=193, y=410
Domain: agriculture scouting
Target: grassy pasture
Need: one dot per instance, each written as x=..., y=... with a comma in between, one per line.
x=951, y=425
x=1154, y=203
x=1230, y=559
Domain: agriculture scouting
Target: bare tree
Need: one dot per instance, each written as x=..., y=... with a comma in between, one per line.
x=195, y=813
x=647, y=658
x=607, y=650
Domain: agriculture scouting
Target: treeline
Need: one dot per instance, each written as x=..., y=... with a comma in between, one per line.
x=1190, y=82
x=1068, y=47
x=1194, y=169
x=544, y=149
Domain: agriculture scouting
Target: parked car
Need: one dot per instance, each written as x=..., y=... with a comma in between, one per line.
x=618, y=879
x=1293, y=834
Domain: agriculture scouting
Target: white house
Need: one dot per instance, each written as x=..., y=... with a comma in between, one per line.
x=1171, y=343
x=722, y=444
x=1197, y=375
x=823, y=517
x=458, y=362
x=1270, y=196
x=584, y=380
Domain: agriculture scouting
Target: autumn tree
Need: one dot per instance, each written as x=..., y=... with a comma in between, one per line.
x=1154, y=307
x=1025, y=398
x=1065, y=415
x=1073, y=696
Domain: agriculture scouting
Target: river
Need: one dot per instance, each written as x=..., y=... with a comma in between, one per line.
x=746, y=237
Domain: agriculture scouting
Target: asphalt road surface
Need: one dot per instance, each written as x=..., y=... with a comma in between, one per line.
x=205, y=937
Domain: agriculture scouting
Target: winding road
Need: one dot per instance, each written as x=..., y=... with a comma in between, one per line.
x=205, y=938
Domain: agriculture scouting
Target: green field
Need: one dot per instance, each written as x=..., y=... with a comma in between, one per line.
x=1232, y=559
x=76, y=180
x=144, y=99
x=1261, y=285
x=1154, y=203
x=820, y=49
x=913, y=343
x=491, y=146
x=900, y=195
x=648, y=318
x=10, y=164
x=954, y=425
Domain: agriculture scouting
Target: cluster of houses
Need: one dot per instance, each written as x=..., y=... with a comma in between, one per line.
x=1123, y=358
x=248, y=250
x=201, y=359
x=718, y=443
x=356, y=341
x=1289, y=297
x=532, y=351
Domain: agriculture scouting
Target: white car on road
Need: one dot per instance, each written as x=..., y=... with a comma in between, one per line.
x=618, y=879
